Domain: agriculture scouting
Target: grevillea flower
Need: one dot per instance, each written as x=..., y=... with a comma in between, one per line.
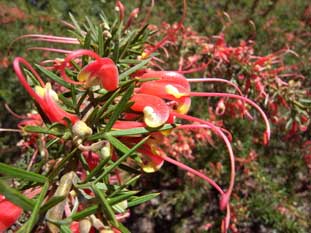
x=43, y=94
x=101, y=71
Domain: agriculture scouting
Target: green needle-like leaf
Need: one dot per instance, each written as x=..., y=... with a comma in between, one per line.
x=120, y=108
x=54, y=77
x=22, y=174
x=123, y=229
x=38, y=129
x=134, y=68
x=122, y=197
x=126, y=184
x=84, y=213
x=106, y=206
x=139, y=200
x=35, y=213
x=62, y=163
x=140, y=130
x=106, y=105
x=100, y=41
x=16, y=197
x=75, y=23
x=97, y=169
x=65, y=229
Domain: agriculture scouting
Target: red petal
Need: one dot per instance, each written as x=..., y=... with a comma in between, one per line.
x=128, y=124
x=103, y=71
x=156, y=112
x=9, y=213
x=153, y=155
x=167, y=90
x=171, y=76
x=55, y=113
x=91, y=158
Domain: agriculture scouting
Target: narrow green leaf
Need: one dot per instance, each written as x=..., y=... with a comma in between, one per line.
x=52, y=142
x=16, y=197
x=97, y=169
x=86, y=45
x=66, y=102
x=74, y=94
x=61, y=164
x=38, y=129
x=116, y=47
x=35, y=213
x=123, y=229
x=81, y=100
x=106, y=104
x=126, y=184
x=84, y=213
x=100, y=41
x=134, y=68
x=139, y=200
x=106, y=206
x=22, y=174
x=140, y=33
x=129, y=61
x=75, y=23
x=126, y=42
x=121, y=197
x=54, y=77
x=93, y=209
x=90, y=24
x=140, y=130
x=129, y=169
x=65, y=229
x=120, y=108
x=32, y=79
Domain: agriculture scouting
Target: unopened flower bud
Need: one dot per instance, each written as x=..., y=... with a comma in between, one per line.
x=81, y=129
x=85, y=225
x=105, y=152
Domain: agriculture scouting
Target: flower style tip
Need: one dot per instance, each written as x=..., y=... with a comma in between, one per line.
x=155, y=110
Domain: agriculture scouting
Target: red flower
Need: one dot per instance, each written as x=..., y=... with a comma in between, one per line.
x=44, y=95
x=9, y=213
x=102, y=71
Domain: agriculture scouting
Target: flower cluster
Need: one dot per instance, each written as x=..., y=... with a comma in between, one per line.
x=103, y=121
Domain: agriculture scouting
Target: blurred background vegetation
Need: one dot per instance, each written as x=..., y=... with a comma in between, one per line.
x=272, y=193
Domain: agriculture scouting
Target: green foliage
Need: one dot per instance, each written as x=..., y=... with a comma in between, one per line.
x=278, y=178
